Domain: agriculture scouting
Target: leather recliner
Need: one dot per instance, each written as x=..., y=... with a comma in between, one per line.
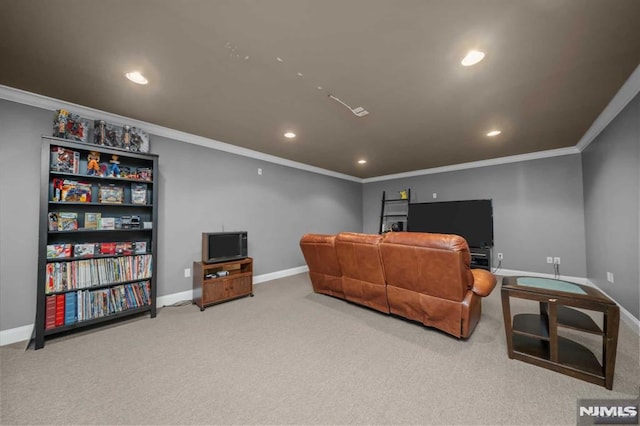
x=319, y=252
x=429, y=279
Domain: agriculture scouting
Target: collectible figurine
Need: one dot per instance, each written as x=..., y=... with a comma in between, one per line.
x=126, y=138
x=114, y=168
x=93, y=168
x=63, y=115
x=100, y=134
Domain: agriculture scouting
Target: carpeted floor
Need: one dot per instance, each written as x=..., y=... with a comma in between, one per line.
x=290, y=356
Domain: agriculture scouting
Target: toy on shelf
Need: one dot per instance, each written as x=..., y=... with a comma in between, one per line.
x=126, y=138
x=93, y=166
x=60, y=124
x=100, y=132
x=114, y=168
x=70, y=126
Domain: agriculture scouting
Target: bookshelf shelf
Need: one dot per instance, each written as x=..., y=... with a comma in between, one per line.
x=95, y=321
x=89, y=274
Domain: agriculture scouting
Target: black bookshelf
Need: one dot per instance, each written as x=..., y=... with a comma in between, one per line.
x=124, y=297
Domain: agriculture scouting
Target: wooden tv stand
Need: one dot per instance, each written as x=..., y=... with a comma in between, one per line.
x=209, y=289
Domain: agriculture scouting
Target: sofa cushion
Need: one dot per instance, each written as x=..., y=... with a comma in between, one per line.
x=362, y=274
x=432, y=264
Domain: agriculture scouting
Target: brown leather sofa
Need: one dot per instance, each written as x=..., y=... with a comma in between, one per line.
x=418, y=276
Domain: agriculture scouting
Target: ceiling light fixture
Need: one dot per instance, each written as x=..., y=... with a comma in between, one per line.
x=289, y=135
x=494, y=133
x=136, y=77
x=472, y=58
x=362, y=161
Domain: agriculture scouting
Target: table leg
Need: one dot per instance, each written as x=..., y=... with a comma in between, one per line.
x=506, y=313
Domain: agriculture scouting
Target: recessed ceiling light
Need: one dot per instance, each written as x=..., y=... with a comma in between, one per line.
x=472, y=58
x=362, y=161
x=494, y=133
x=136, y=77
x=289, y=135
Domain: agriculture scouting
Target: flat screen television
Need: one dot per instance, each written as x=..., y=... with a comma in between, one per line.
x=471, y=219
x=223, y=246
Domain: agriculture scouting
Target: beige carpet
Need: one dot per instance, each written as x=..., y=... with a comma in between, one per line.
x=290, y=356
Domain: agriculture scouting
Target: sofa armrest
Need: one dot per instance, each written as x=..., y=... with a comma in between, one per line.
x=483, y=282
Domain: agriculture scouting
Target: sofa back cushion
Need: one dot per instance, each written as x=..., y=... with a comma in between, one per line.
x=437, y=265
x=319, y=252
x=362, y=273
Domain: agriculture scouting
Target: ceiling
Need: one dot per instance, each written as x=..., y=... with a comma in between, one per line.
x=551, y=67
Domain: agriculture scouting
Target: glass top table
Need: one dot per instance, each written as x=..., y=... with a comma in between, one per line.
x=533, y=338
x=549, y=284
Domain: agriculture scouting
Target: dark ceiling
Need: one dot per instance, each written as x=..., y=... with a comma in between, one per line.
x=551, y=67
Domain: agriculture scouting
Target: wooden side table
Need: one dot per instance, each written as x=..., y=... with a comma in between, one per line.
x=533, y=338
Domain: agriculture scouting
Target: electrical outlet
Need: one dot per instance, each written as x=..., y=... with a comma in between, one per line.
x=549, y=259
x=610, y=277
x=435, y=195
x=259, y=171
x=556, y=260
x=187, y=272
x=500, y=256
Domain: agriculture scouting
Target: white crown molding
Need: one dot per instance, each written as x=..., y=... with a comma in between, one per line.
x=47, y=103
x=475, y=164
x=626, y=93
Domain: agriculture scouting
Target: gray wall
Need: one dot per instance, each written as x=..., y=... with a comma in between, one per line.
x=611, y=167
x=200, y=190
x=537, y=208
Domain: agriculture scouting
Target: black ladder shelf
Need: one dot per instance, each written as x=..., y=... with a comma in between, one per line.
x=394, y=213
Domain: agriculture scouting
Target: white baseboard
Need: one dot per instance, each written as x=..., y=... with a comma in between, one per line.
x=14, y=335
x=280, y=274
x=19, y=334
x=626, y=316
x=170, y=299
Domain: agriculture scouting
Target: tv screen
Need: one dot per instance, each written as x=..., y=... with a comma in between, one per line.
x=223, y=246
x=471, y=219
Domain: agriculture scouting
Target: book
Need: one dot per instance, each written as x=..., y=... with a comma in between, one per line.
x=107, y=223
x=70, y=315
x=74, y=191
x=67, y=221
x=107, y=248
x=84, y=250
x=52, y=221
x=111, y=194
x=139, y=193
x=50, y=312
x=140, y=247
x=124, y=248
x=59, y=310
x=92, y=220
x=58, y=251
